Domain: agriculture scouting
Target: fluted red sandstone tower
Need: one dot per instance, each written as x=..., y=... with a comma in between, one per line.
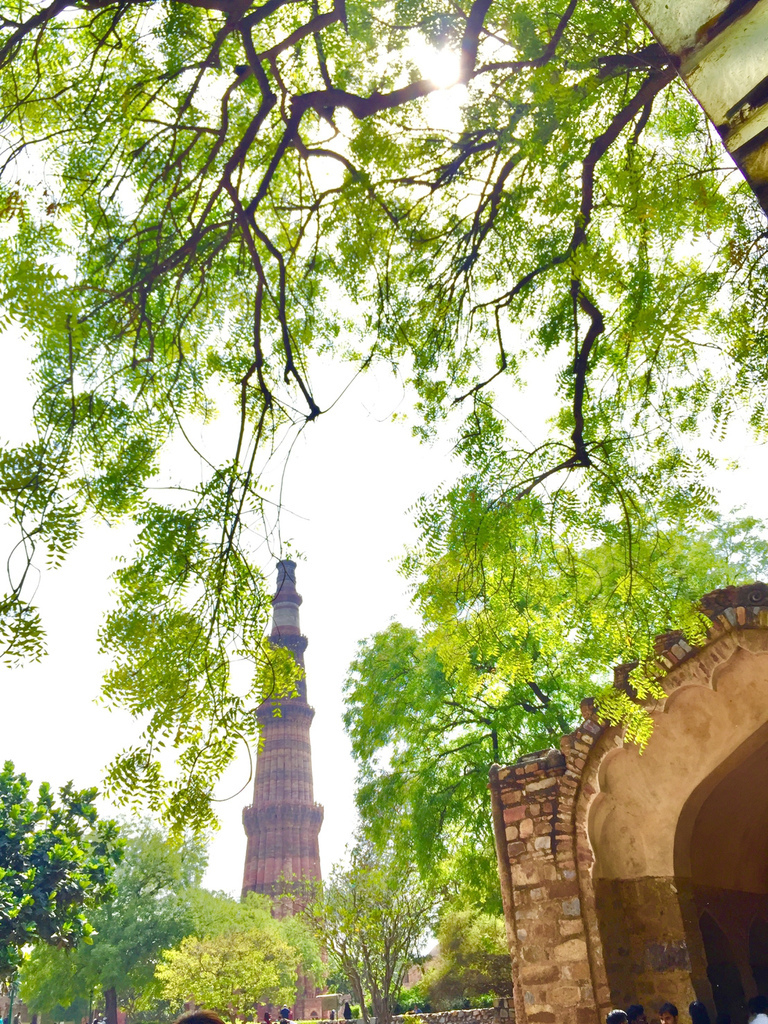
x=283, y=822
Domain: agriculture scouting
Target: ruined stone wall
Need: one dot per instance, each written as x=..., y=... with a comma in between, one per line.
x=503, y=1011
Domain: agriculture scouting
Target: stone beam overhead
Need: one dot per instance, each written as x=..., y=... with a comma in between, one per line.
x=615, y=864
x=719, y=48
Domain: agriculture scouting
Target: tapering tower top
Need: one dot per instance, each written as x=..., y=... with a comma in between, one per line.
x=286, y=626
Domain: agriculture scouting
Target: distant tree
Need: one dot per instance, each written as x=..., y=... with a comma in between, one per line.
x=516, y=631
x=216, y=914
x=151, y=911
x=372, y=918
x=473, y=959
x=56, y=865
x=240, y=955
x=232, y=972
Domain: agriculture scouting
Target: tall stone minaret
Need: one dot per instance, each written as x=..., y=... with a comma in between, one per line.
x=283, y=822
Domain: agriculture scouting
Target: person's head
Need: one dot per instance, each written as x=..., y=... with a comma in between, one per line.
x=199, y=1017
x=616, y=1017
x=636, y=1014
x=668, y=1013
x=758, y=1004
x=698, y=1012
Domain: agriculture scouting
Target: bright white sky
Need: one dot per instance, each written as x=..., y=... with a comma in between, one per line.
x=351, y=478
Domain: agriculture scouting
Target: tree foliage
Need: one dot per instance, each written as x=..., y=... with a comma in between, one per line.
x=216, y=914
x=56, y=865
x=235, y=190
x=239, y=956
x=153, y=909
x=230, y=974
x=472, y=959
x=516, y=632
x=371, y=917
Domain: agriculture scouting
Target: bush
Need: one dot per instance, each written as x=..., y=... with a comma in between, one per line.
x=473, y=966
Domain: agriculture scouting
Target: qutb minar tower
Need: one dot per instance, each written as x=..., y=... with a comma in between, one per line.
x=283, y=822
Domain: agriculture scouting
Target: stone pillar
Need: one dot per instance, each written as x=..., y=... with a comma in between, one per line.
x=534, y=803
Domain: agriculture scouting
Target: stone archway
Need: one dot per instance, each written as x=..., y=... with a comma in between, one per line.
x=721, y=860
x=682, y=829
x=610, y=859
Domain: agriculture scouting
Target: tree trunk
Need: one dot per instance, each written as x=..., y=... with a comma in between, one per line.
x=382, y=1010
x=110, y=1001
x=359, y=994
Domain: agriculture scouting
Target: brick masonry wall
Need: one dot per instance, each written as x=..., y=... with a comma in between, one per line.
x=534, y=803
x=647, y=952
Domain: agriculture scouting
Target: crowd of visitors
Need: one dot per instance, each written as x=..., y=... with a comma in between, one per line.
x=698, y=1013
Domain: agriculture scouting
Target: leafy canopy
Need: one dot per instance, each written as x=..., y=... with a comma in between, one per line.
x=472, y=959
x=57, y=861
x=239, y=956
x=231, y=973
x=204, y=199
x=516, y=633
x=152, y=910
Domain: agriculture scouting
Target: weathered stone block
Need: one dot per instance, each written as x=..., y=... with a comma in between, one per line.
x=541, y=784
x=564, y=995
x=564, y=887
x=539, y=974
x=573, y=949
x=572, y=908
x=513, y=814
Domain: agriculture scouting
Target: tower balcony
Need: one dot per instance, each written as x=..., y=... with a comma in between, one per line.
x=277, y=815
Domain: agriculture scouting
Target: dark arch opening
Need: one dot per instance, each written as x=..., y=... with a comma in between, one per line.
x=721, y=861
x=722, y=972
x=758, y=954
